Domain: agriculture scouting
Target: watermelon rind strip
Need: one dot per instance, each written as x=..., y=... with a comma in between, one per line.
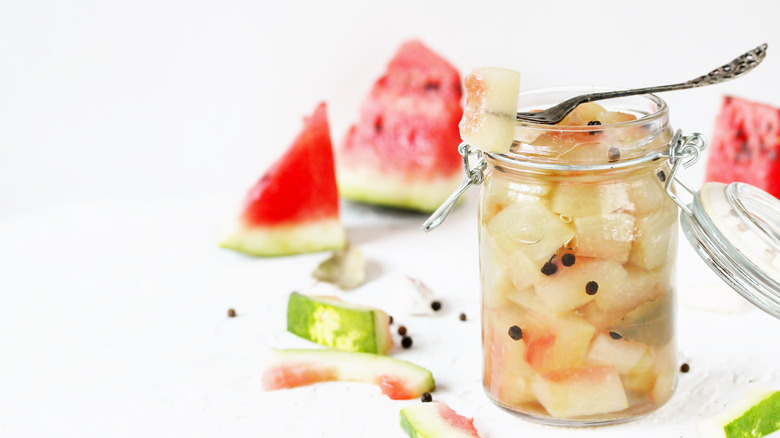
x=424, y=195
x=336, y=324
x=758, y=421
x=271, y=241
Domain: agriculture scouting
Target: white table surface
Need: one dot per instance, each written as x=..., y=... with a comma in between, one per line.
x=128, y=130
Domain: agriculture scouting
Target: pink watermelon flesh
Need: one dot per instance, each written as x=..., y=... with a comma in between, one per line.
x=294, y=207
x=458, y=421
x=302, y=185
x=744, y=145
x=407, y=133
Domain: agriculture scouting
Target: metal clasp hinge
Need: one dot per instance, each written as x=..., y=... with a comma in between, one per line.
x=474, y=176
x=683, y=150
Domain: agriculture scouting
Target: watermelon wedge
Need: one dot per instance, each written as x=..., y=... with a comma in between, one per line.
x=294, y=207
x=745, y=145
x=403, y=151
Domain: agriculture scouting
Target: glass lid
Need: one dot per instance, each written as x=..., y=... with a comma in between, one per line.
x=735, y=228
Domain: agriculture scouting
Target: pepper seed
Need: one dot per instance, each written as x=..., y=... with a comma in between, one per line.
x=591, y=288
x=426, y=397
x=613, y=153
x=515, y=333
x=549, y=268
x=615, y=335
x=568, y=259
x=594, y=123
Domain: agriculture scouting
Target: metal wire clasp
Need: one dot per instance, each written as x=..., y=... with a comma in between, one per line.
x=474, y=176
x=683, y=150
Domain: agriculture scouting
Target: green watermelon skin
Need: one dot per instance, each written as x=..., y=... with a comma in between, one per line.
x=294, y=207
x=403, y=151
x=745, y=145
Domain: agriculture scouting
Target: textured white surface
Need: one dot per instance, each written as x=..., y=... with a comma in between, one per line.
x=117, y=326
x=128, y=128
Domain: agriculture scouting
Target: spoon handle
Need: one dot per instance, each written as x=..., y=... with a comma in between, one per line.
x=738, y=67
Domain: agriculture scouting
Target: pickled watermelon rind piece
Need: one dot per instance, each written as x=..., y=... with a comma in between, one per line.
x=436, y=420
x=337, y=324
x=294, y=207
x=580, y=392
x=592, y=134
x=398, y=379
x=488, y=121
x=507, y=375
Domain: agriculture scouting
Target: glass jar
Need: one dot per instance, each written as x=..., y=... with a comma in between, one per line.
x=577, y=242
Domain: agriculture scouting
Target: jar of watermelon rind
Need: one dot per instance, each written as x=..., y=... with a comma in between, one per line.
x=577, y=261
x=577, y=246
x=578, y=235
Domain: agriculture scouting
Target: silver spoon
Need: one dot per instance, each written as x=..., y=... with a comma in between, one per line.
x=738, y=67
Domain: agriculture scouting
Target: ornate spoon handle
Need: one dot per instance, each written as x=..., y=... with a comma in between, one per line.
x=738, y=67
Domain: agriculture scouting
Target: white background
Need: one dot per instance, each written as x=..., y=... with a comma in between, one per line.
x=127, y=129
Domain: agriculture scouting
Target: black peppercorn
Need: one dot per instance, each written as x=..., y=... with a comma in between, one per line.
x=402, y=330
x=684, y=368
x=613, y=153
x=462, y=316
x=615, y=335
x=391, y=318
x=515, y=333
x=549, y=268
x=568, y=259
x=406, y=342
x=591, y=288
x=426, y=397
x=661, y=176
x=436, y=305
x=594, y=123
x=232, y=313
